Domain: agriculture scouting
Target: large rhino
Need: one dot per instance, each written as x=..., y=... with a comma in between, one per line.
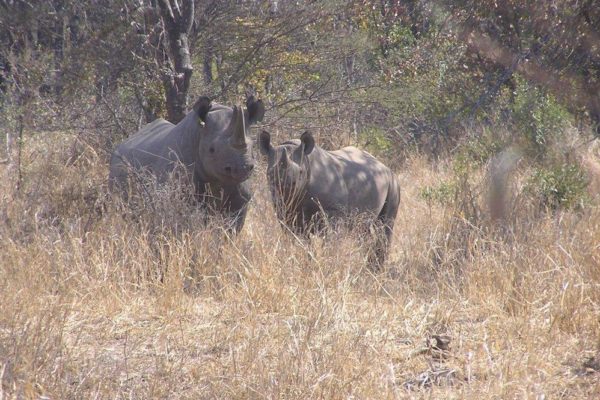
x=308, y=183
x=212, y=145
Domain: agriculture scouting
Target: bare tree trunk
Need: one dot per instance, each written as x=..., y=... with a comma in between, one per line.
x=59, y=49
x=593, y=106
x=177, y=21
x=148, y=110
x=14, y=141
x=208, y=58
x=17, y=166
x=10, y=145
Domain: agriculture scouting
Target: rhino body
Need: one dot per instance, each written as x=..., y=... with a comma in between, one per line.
x=210, y=148
x=309, y=184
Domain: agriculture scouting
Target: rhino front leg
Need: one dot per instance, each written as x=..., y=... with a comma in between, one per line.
x=118, y=177
x=237, y=220
x=236, y=207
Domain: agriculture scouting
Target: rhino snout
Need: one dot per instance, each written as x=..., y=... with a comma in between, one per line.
x=239, y=173
x=245, y=168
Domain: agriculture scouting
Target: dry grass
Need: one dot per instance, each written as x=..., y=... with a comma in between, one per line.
x=101, y=307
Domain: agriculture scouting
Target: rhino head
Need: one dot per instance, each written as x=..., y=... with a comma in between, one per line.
x=225, y=148
x=288, y=169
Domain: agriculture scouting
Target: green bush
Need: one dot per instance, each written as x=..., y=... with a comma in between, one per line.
x=473, y=154
x=443, y=194
x=376, y=140
x=559, y=187
x=538, y=116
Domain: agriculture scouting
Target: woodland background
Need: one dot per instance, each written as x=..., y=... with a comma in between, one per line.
x=489, y=111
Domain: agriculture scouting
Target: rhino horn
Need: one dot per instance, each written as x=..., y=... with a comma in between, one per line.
x=238, y=127
x=284, y=161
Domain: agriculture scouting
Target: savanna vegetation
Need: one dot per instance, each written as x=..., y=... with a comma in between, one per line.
x=488, y=111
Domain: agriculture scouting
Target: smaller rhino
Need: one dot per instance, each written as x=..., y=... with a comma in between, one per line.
x=309, y=184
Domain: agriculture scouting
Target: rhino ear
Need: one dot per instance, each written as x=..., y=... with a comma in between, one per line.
x=256, y=109
x=264, y=142
x=308, y=142
x=202, y=107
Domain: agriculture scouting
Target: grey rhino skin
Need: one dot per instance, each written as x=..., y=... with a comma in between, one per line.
x=307, y=182
x=212, y=145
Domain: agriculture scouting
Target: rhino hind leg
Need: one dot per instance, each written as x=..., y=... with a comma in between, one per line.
x=118, y=178
x=384, y=226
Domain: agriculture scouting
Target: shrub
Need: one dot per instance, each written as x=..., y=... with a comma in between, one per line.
x=478, y=151
x=442, y=194
x=559, y=187
x=376, y=140
x=538, y=116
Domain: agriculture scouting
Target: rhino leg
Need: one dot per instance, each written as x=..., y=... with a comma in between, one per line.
x=385, y=225
x=118, y=177
x=229, y=202
x=236, y=207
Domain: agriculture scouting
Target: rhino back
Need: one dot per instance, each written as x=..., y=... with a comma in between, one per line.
x=327, y=186
x=158, y=145
x=367, y=180
x=149, y=138
x=155, y=127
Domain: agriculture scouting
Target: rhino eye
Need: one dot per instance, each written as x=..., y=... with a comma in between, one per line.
x=211, y=150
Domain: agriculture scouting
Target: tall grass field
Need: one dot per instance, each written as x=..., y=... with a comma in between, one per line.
x=96, y=303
